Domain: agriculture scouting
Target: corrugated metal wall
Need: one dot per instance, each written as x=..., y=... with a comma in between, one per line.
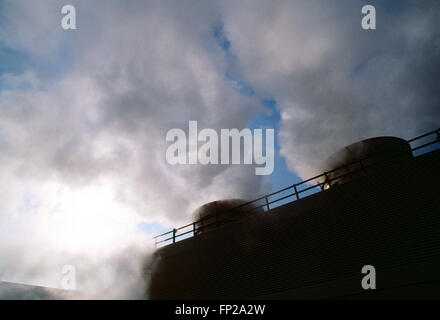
x=315, y=247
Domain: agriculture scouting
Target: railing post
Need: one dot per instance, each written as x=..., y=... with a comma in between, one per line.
x=267, y=203
x=296, y=192
x=362, y=167
x=327, y=180
x=174, y=235
x=216, y=215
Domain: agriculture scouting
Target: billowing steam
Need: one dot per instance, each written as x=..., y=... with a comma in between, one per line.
x=83, y=121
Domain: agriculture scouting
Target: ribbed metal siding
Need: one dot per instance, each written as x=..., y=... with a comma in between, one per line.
x=387, y=220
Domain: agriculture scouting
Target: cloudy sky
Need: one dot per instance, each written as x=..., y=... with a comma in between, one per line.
x=84, y=113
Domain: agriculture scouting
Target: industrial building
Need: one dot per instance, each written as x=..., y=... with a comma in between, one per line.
x=376, y=203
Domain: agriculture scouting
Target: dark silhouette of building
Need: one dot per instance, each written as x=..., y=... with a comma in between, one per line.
x=384, y=211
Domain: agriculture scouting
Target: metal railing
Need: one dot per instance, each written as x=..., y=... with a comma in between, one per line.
x=312, y=185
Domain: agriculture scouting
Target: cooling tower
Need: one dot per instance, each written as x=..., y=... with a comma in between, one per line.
x=216, y=213
x=365, y=157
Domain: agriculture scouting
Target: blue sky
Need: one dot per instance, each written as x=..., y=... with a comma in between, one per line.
x=12, y=61
x=281, y=177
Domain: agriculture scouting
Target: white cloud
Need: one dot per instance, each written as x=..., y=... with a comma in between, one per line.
x=335, y=83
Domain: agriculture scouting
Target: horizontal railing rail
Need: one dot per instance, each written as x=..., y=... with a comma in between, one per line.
x=317, y=182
